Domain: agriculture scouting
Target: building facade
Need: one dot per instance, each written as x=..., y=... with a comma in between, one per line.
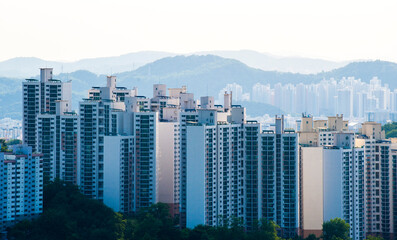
x=58, y=139
x=279, y=178
x=40, y=96
x=21, y=185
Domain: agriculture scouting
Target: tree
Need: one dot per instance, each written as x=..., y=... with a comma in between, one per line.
x=390, y=129
x=155, y=222
x=311, y=237
x=374, y=238
x=13, y=142
x=336, y=229
x=4, y=146
x=264, y=229
x=70, y=215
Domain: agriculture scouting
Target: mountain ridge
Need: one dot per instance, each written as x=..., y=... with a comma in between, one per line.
x=26, y=66
x=203, y=75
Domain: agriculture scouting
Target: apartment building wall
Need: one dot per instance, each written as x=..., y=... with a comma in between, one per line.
x=95, y=124
x=379, y=188
x=40, y=97
x=145, y=127
x=196, y=192
x=280, y=178
x=58, y=140
x=252, y=173
x=311, y=191
x=167, y=132
x=180, y=171
x=119, y=173
x=218, y=161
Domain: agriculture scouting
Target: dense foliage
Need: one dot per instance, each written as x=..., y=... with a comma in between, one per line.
x=5, y=145
x=390, y=130
x=336, y=229
x=68, y=215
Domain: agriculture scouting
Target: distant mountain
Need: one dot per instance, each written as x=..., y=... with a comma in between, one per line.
x=23, y=67
x=268, y=62
x=111, y=65
x=203, y=75
x=10, y=98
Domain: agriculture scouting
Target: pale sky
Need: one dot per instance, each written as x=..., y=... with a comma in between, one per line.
x=74, y=29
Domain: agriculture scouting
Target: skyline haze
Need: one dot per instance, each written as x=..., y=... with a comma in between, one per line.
x=337, y=30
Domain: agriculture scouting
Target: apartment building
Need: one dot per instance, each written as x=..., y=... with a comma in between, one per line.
x=321, y=132
x=331, y=178
x=58, y=140
x=252, y=172
x=40, y=96
x=379, y=179
x=214, y=170
x=131, y=151
x=279, y=177
x=21, y=185
x=235, y=171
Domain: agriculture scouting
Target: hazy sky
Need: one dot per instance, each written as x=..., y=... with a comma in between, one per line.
x=75, y=29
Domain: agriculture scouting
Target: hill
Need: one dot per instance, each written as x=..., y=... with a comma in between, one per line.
x=268, y=62
x=24, y=67
x=203, y=75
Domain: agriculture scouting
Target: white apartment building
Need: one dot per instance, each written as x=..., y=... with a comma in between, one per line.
x=380, y=178
x=21, y=185
x=39, y=96
x=119, y=173
x=331, y=177
x=58, y=139
x=279, y=177
x=235, y=171
x=215, y=173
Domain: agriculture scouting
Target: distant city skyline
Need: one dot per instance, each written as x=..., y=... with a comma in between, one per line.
x=73, y=30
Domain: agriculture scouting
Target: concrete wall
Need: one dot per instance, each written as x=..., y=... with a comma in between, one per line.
x=111, y=175
x=165, y=161
x=195, y=182
x=312, y=188
x=332, y=170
